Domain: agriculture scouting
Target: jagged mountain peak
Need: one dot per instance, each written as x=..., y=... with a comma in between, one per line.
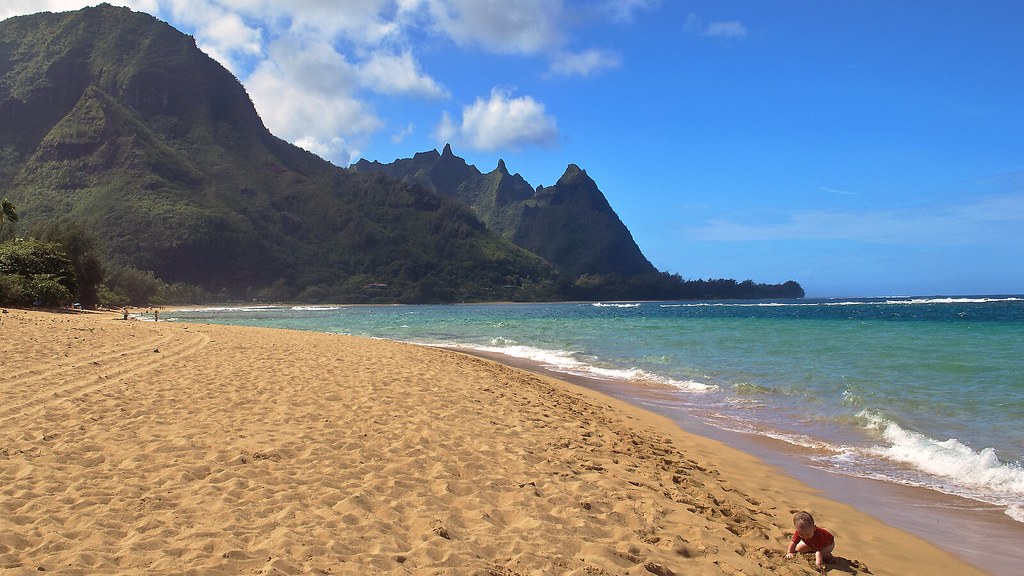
x=114, y=120
x=576, y=177
x=569, y=223
x=428, y=156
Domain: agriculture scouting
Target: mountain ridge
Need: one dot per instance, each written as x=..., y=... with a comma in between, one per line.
x=115, y=122
x=570, y=223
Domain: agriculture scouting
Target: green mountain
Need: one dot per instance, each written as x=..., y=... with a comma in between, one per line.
x=116, y=121
x=570, y=223
x=116, y=126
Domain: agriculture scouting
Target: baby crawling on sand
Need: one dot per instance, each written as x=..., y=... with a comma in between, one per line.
x=811, y=538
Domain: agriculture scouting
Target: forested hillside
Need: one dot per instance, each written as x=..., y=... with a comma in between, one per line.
x=144, y=162
x=115, y=121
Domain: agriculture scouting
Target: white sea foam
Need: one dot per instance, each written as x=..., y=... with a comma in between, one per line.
x=615, y=305
x=731, y=423
x=851, y=398
x=315, y=308
x=1016, y=512
x=891, y=301
x=567, y=363
x=973, y=473
x=947, y=466
x=757, y=304
x=230, y=309
x=951, y=300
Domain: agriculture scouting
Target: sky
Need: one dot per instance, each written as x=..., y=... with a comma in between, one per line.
x=859, y=147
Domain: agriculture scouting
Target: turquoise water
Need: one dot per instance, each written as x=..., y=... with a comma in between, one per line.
x=927, y=392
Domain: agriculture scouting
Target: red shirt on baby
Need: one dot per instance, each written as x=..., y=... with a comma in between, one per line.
x=821, y=539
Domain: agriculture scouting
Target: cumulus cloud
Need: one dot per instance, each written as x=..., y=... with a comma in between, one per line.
x=365, y=22
x=314, y=67
x=226, y=37
x=584, y=63
x=500, y=121
x=305, y=94
x=397, y=74
x=446, y=130
x=521, y=27
x=310, y=65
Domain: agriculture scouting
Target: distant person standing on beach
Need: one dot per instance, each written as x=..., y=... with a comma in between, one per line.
x=156, y=315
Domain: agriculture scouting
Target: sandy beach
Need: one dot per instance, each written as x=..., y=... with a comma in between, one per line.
x=169, y=448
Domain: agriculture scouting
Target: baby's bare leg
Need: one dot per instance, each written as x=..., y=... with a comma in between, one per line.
x=824, y=555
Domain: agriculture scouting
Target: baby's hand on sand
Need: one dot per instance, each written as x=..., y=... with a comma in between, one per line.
x=789, y=555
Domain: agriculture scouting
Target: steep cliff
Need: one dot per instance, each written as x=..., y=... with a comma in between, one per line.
x=570, y=224
x=117, y=121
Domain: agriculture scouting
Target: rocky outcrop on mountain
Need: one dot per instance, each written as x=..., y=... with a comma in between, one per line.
x=570, y=223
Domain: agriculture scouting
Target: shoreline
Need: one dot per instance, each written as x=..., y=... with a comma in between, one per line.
x=944, y=523
x=176, y=447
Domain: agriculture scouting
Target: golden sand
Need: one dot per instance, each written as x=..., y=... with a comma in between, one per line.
x=142, y=448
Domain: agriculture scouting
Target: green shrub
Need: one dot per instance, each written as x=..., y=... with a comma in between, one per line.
x=181, y=293
x=139, y=286
x=43, y=270
x=12, y=291
x=47, y=290
x=110, y=299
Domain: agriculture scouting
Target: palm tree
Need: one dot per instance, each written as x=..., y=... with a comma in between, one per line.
x=8, y=213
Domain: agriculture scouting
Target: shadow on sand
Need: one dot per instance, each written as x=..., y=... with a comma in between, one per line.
x=840, y=564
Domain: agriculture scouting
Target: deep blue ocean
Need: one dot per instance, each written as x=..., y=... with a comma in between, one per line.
x=921, y=391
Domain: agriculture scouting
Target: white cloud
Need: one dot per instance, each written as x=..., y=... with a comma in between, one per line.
x=307, y=90
x=309, y=99
x=366, y=22
x=584, y=63
x=396, y=74
x=730, y=29
x=625, y=10
x=501, y=121
x=446, y=129
x=400, y=135
x=313, y=67
x=521, y=27
x=225, y=37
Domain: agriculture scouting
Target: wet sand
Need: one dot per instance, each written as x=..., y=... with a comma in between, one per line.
x=171, y=448
x=980, y=534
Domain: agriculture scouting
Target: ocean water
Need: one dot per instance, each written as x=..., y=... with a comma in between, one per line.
x=927, y=392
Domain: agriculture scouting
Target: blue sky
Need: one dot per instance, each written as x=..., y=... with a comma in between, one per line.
x=862, y=148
